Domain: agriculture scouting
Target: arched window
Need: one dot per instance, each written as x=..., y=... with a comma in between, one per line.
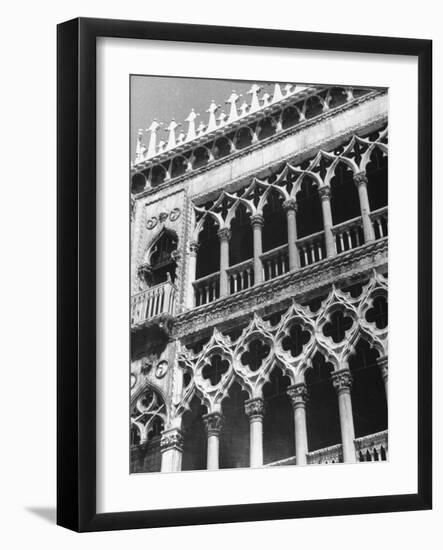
x=309, y=211
x=275, y=231
x=322, y=417
x=377, y=174
x=208, y=256
x=161, y=261
x=345, y=203
x=240, y=245
x=234, y=439
x=369, y=404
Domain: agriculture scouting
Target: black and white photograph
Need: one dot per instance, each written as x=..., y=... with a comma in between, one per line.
x=258, y=274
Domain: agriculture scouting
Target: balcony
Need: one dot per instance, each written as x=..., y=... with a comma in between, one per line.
x=275, y=263
x=153, y=302
x=369, y=448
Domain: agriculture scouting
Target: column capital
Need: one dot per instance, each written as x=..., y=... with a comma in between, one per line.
x=342, y=380
x=324, y=192
x=213, y=423
x=171, y=439
x=224, y=234
x=298, y=394
x=255, y=408
x=360, y=178
x=290, y=204
x=382, y=363
x=257, y=219
x=193, y=247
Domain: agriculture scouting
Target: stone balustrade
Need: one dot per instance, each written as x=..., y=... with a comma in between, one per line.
x=155, y=301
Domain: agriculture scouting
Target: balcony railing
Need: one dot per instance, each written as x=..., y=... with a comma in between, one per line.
x=369, y=448
x=154, y=301
x=348, y=235
x=380, y=222
x=311, y=249
x=207, y=289
x=372, y=447
x=241, y=276
x=275, y=262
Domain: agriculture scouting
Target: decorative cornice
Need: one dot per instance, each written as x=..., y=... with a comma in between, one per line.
x=271, y=139
x=297, y=282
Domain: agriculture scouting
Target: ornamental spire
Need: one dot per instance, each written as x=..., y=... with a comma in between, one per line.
x=139, y=147
x=212, y=123
x=171, y=129
x=153, y=137
x=232, y=100
x=255, y=104
x=191, y=128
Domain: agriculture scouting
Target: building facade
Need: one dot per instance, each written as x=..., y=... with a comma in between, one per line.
x=259, y=281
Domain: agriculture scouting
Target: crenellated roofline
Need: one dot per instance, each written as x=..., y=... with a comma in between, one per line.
x=155, y=151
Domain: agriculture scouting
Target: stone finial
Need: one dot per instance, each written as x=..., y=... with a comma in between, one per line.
x=244, y=109
x=266, y=98
x=222, y=119
x=232, y=100
x=191, y=128
x=171, y=138
x=255, y=104
x=277, y=93
x=139, y=147
x=201, y=129
x=212, y=122
x=181, y=138
x=288, y=89
x=161, y=146
x=152, y=147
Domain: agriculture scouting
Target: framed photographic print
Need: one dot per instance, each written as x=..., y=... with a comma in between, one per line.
x=230, y=238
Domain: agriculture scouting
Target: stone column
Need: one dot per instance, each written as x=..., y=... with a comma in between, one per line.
x=342, y=381
x=224, y=235
x=325, y=197
x=299, y=395
x=382, y=363
x=257, y=221
x=171, y=448
x=361, y=181
x=213, y=424
x=255, y=410
x=290, y=207
x=192, y=267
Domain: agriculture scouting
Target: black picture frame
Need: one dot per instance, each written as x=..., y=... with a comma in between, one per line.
x=76, y=279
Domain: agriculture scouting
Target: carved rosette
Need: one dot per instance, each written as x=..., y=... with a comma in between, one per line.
x=213, y=423
x=382, y=363
x=255, y=409
x=171, y=440
x=224, y=234
x=342, y=380
x=193, y=247
x=290, y=204
x=298, y=394
x=360, y=178
x=324, y=192
x=257, y=219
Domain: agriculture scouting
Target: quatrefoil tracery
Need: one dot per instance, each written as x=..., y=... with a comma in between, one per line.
x=355, y=155
x=290, y=343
